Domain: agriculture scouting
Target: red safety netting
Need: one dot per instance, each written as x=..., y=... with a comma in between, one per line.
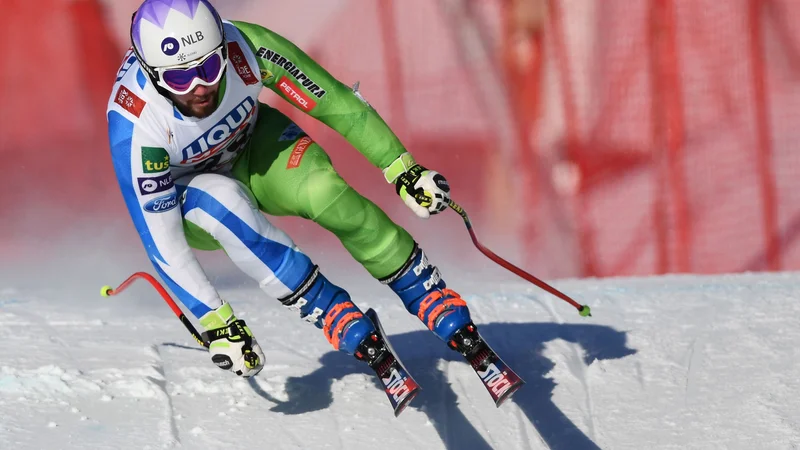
x=623, y=137
x=670, y=129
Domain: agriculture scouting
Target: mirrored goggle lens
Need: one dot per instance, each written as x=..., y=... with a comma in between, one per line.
x=181, y=79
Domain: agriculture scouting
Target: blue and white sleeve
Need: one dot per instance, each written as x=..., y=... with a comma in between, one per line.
x=141, y=163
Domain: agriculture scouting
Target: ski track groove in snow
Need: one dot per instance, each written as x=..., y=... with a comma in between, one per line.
x=639, y=374
x=445, y=367
x=169, y=433
x=465, y=400
x=715, y=366
x=522, y=419
x=689, y=365
x=338, y=427
x=578, y=369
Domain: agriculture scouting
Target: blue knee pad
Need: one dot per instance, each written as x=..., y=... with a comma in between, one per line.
x=329, y=308
x=425, y=295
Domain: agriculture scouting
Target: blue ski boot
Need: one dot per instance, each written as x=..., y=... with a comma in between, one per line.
x=425, y=295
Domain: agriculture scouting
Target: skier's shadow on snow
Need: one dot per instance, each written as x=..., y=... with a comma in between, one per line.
x=520, y=345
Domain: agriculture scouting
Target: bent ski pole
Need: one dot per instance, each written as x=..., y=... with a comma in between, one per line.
x=106, y=291
x=584, y=310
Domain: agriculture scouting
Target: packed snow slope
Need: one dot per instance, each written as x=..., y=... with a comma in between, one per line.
x=673, y=362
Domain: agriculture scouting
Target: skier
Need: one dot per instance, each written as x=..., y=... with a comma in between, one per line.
x=198, y=159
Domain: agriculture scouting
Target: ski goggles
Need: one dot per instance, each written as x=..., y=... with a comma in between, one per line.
x=182, y=79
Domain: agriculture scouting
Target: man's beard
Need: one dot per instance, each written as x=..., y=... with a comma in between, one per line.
x=199, y=111
x=202, y=112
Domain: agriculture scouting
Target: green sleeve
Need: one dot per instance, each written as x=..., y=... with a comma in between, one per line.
x=293, y=75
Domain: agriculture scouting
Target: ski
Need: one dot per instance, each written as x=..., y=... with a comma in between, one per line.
x=399, y=385
x=497, y=377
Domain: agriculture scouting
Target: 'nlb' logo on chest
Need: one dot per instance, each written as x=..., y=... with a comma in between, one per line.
x=221, y=135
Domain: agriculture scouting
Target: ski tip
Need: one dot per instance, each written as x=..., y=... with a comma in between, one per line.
x=402, y=406
x=371, y=314
x=509, y=393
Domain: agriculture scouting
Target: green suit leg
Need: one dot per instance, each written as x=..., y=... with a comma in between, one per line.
x=295, y=177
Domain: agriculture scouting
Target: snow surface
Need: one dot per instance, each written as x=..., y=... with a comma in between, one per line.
x=674, y=362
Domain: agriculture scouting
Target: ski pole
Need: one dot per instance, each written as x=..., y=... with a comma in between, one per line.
x=582, y=309
x=106, y=291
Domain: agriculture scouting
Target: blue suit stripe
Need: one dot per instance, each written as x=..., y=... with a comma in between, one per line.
x=198, y=308
x=289, y=266
x=140, y=78
x=120, y=131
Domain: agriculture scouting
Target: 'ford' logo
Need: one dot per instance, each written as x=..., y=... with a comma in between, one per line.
x=161, y=204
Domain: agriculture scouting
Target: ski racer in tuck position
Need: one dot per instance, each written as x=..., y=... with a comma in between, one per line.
x=198, y=159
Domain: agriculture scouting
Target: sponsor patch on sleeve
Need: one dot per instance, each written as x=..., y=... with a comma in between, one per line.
x=240, y=63
x=301, y=78
x=149, y=186
x=129, y=101
x=154, y=159
x=298, y=152
x=162, y=204
x=295, y=95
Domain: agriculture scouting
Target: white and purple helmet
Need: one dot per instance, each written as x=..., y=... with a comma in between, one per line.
x=179, y=43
